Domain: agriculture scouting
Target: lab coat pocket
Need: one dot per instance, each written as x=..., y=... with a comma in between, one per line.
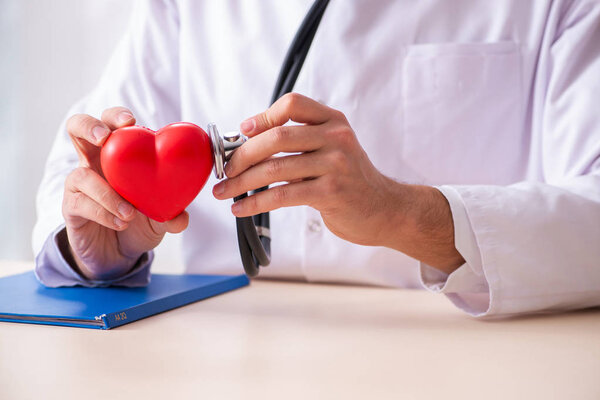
x=462, y=112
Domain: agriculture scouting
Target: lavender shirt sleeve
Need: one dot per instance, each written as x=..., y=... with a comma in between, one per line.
x=53, y=270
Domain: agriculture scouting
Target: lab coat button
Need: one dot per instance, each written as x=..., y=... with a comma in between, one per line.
x=314, y=225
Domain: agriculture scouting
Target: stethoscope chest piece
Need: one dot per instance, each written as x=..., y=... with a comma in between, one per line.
x=223, y=147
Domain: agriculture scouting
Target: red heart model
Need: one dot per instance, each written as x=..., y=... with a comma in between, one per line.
x=161, y=172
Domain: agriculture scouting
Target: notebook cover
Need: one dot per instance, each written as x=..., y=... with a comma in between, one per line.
x=22, y=295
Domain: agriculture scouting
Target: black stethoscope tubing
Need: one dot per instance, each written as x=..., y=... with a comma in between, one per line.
x=254, y=239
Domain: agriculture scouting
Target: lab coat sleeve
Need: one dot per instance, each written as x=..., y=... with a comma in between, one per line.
x=467, y=286
x=142, y=75
x=534, y=246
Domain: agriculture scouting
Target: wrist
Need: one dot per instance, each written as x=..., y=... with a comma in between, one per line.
x=104, y=272
x=422, y=226
x=100, y=271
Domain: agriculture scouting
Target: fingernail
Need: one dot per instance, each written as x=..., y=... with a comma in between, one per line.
x=99, y=133
x=124, y=117
x=248, y=125
x=236, y=207
x=119, y=223
x=219, y=189
x=125, y=209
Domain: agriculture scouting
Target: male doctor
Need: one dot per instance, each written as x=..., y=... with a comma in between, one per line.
x=450, y=145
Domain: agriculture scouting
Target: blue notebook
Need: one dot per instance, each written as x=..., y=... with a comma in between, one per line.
x=24, y=299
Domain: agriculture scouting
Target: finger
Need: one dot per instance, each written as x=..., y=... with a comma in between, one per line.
x=279, y=169
x=276, y=140
x=175, y=225
x=79, y=209
x=292, y=106
x=92, y=185
x=87, y=129
x=117, y=117
x=288, y=195
x=178, y=224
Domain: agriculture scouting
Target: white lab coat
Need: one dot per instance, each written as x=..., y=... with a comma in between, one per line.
x=496, y=103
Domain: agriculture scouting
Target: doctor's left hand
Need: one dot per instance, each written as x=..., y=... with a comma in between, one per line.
x=106, y=234
x=331, y=172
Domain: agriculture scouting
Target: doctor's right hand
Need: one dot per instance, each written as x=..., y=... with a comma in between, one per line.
x=107, y=235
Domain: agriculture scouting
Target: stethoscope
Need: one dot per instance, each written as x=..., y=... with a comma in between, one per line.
x=254, y=236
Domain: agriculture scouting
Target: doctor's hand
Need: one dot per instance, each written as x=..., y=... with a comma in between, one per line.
x=106, y=234
x=332, y=173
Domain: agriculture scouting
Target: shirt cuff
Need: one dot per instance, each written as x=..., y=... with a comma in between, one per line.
x=467, y=286
x=53, y=270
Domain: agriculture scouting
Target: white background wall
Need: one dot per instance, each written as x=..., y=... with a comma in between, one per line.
x=52, y=52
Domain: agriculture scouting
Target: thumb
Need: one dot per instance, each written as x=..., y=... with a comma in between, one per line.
x=177, y=224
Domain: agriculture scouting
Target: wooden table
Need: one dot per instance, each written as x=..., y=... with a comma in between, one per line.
x=306, y=341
